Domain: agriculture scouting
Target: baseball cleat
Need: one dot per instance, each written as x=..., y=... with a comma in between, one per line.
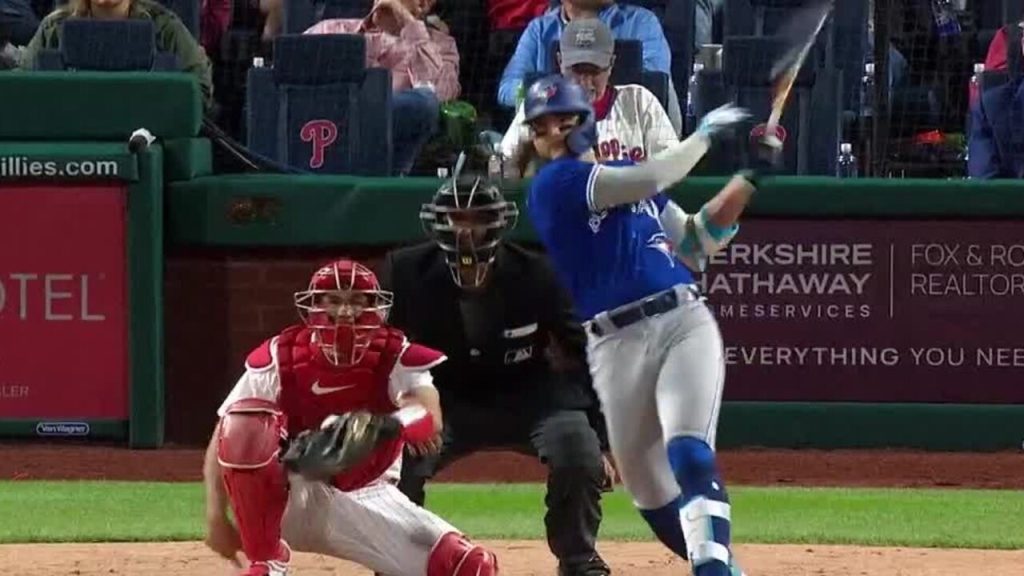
x=596, y=566
x=276, y=567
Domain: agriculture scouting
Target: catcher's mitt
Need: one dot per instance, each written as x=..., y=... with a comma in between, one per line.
x=342, y=442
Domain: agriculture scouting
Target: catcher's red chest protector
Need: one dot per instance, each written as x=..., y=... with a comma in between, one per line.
x=312, y=389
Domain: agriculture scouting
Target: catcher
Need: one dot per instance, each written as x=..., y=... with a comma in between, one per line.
x=308, y=446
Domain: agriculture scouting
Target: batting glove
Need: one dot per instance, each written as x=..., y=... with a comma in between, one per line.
x=721, y=120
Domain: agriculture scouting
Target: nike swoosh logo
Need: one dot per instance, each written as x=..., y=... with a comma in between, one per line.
x=320, y=391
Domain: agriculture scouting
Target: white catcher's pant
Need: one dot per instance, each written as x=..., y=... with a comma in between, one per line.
x=658, y=378
x=376, y=526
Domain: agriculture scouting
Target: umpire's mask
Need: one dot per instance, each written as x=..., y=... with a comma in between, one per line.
x=467, y=218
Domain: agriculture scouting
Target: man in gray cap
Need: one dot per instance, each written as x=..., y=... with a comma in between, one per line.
x=631, y=122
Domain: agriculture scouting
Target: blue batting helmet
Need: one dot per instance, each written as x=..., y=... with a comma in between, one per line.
x=560, y=95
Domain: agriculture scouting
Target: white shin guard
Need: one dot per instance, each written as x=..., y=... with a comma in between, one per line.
x=696, y=517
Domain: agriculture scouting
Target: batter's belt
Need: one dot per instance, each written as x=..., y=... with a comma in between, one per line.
x=660, y=303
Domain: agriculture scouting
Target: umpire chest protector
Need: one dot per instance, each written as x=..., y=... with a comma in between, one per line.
x=495, y=339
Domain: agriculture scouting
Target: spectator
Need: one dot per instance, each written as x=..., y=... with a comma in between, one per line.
x=424, y=64
x=998, y=49
x=631, y=123
x=996, y=137
x=628, y=22
x=171, y=34
x=18, y=22
x=214, y=20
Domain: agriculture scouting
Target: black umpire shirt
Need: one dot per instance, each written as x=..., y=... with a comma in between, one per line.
x=514, y=341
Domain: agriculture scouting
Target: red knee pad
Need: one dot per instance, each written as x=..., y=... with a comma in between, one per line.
x=247, y=448
x=454, y=555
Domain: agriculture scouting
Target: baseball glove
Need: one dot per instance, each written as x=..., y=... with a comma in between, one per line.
x=342, y=442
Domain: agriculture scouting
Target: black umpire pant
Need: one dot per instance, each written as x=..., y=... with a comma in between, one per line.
x=562, y=439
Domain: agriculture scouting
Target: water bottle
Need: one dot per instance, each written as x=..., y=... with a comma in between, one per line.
x=867, y=86
x=846, y=164
x=691, y=96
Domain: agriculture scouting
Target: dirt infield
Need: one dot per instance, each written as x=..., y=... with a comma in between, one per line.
x=520, y=559
x=743, y=467
x=747, y=467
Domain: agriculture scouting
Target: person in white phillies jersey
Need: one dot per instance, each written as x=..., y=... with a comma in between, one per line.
x=631, y=122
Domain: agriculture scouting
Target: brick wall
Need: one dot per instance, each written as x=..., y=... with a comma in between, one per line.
x=218, y=306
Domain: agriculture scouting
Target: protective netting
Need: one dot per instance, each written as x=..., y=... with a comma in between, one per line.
x=933, y=49
x=889, y=78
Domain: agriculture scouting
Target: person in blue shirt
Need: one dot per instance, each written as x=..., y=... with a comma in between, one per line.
x=533, y=52
x=627, y=255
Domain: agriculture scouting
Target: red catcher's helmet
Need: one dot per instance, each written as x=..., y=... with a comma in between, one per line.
x=344, y=305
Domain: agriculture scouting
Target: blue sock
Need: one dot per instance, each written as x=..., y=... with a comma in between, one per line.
x=704, y=498
x=664, y=522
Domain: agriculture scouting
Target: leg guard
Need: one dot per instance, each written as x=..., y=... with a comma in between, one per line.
x=247, y=448
x=665, y=523
x=454, y=555
x=705, y=513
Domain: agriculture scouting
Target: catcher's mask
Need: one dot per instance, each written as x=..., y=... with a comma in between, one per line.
x=468, y=218
x=343, y=305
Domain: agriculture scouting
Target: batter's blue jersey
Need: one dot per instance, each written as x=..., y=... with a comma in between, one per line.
x=606, y=258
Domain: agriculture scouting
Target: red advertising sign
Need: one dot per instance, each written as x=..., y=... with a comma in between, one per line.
x=63, y=304
x=880, y=311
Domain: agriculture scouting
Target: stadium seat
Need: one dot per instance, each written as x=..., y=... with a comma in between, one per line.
x=187, y=10
x=658, y=84
x=678, y=23
x=849, y=45
x=766, y=17
x=299, y=15
x=106, y=45
x=319, y=108
x=812, y=114
x=994, y=14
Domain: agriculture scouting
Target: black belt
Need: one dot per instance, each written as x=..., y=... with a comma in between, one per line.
x=651, y=306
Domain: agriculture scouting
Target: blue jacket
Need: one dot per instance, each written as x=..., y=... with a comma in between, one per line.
x=996, y=141
x=533, y=54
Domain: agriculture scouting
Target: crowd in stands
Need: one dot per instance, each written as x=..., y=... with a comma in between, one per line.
x=461, y=66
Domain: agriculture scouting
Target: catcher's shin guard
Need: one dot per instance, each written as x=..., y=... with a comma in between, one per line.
x=454, y=555
x=247, y=448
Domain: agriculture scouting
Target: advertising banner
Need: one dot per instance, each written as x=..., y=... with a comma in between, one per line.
x=872, y=310
x=63, y=305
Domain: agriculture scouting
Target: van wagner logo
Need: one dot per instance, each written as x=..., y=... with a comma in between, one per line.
x=62, y=429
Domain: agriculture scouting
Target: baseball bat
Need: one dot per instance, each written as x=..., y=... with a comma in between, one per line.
x=802, y=31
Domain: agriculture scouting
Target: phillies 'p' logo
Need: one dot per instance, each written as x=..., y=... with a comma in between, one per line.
x=321, y=134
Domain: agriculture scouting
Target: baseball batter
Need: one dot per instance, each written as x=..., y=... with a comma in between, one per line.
x=342, y=375
x=655, y=352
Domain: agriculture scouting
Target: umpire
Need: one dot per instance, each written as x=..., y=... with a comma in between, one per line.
x=516, y=374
